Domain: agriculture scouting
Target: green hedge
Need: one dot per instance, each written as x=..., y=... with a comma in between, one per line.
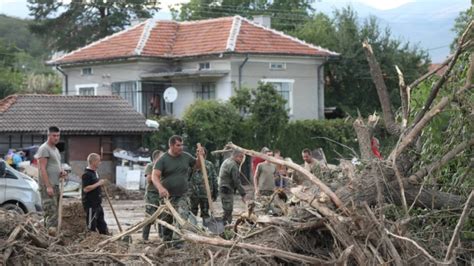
x=315, y=134
x=296, y=135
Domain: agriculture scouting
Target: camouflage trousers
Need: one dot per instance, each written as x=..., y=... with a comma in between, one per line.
x=181, y=204
x=200, y=203
x=151, y=198
x=227, y=198
x=50, y=206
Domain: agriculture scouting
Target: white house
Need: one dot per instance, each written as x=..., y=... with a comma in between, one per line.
x=207, y=59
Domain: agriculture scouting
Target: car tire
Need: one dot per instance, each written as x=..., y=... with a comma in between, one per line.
x=13, y=207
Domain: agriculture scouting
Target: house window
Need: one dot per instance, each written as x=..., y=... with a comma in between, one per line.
x=86, y=89
x=206, y=92
x=284, y=87
x=87, y=71
x=277, y=66
x=128, y=91
x=204, y=65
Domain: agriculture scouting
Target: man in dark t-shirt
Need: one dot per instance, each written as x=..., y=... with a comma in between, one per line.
x=91, y=196
x=170, y=177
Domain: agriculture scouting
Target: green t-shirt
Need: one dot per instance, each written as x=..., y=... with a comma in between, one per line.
x=265, y=175
x=175, y=172
x=53, y=167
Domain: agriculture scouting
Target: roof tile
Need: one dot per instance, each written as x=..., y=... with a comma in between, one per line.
x=171, y=39
x=72, y=114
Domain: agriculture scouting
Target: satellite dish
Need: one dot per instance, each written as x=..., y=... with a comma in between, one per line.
x=170, y=95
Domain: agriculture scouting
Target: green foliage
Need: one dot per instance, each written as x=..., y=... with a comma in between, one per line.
x=446, y=130
x=11, y=79
x=42, y=84
x=67, y=26
x=14, y=31
x=460, y=24
x=312, y=134
x=169, y=126
x=211, y=123
x=265, y=111
x=349, y=84
x=285, y=15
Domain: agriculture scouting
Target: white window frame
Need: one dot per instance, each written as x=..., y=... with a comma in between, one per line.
x=277, y=69
x=289, y=81
x=80, y=86
x=199, y=89
x=82, y=71
x=199, y=65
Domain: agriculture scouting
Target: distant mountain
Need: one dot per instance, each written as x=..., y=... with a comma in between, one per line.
x=14, y=31
x=426, y=23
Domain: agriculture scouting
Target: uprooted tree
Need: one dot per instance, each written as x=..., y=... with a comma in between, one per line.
x=366, y=218
x=352, y=224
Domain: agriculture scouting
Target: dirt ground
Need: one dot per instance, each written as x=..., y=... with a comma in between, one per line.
x=131, y=212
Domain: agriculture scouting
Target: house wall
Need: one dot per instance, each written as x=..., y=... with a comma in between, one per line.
x=104, y=75
x=307, y=97
x=187, y=87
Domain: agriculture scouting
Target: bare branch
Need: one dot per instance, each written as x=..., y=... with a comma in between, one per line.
x=445, y=159
x=382, y=91
x=363, y=133
x=295, y=167
x=416, y=131
x=443, y=78
x=430, y=73
x=459, y=225
x=405, y=97
x=431, y=258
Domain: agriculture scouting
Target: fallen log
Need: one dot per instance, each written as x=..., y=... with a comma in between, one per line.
x=264, y=250
x=295, y=167
x=365, y=190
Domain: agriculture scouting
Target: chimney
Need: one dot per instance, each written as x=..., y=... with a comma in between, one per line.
x=263, y=20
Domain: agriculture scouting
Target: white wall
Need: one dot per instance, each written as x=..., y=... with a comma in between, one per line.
x=304, y=72
x=105, y=74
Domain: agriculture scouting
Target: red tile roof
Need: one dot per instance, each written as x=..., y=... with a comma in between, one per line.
x=72, y=114
x=170, y=39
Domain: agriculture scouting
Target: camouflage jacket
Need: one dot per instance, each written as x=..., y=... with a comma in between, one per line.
x=229, y=176
x=196, y=182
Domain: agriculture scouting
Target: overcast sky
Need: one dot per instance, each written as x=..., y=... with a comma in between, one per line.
x=18, y=8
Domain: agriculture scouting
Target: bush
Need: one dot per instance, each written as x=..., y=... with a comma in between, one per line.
x=211, y=123
x=169, y=126
x=312, y=134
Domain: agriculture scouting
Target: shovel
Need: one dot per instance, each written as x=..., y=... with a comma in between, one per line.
x=60, y=207
x=127, y=239
x=214, y=224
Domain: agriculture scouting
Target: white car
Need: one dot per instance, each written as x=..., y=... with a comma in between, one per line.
x=18, y=191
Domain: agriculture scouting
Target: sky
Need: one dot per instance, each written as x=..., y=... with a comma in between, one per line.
x=426, y=23
x=18, y=8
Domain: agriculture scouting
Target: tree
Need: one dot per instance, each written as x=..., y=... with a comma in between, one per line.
x=11, y=79
x=69, y=26
x=266, y=118
x=348, y=83
x=461, y=22
x=212, y=123
x=285, y=14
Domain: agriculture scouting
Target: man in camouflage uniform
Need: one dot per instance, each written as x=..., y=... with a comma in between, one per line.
x=152, y=197
x=313, y=166
x=229, y=181
x=198, y=195
x=170, y=177
x=50, y=172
